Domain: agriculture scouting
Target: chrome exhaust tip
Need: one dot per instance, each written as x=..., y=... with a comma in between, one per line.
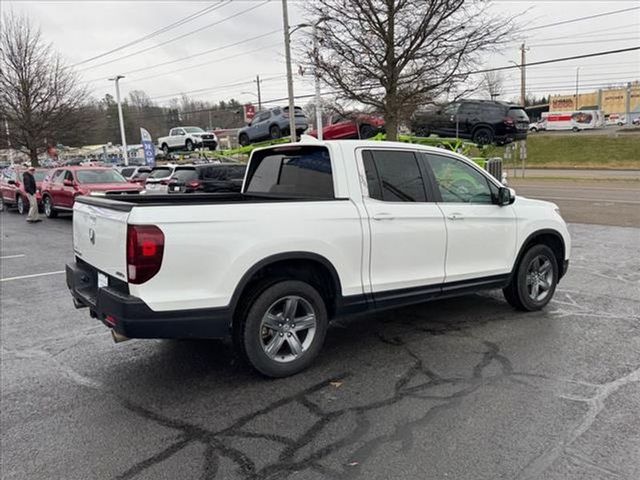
x=118, y=337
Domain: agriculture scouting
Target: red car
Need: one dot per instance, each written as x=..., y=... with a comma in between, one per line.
x=12, y=188
x=355, y=126
x=65, y=184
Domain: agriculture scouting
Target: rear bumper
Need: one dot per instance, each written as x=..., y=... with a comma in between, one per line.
x=131, y=317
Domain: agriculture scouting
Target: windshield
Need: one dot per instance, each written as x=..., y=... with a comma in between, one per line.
x=193, y=130
x=40, y=175
x=99, y=176
x=185, y=174
x=160, y=172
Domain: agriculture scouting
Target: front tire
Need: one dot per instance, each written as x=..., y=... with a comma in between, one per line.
x=20, y=205
x=189, y=145
x=243, y=140
x=275, y=132
x=49, y=210
x=367, y=131
x=165, y=149
x=283, y=328
x=534, y=281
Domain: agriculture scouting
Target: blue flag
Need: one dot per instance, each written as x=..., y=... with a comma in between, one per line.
x=149, y=148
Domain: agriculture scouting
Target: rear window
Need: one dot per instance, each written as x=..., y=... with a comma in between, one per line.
x=160, y=172
x=99, y=176
x=518, y=114
x=185, y=174
x=127, y=172
x=291, y=171
x=223, y=172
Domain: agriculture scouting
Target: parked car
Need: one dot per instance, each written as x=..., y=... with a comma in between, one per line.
x=64, y=185
x=217, y=177
x=133, y=172
x=616, y=119
x=635, y=121
x=272, y=124
x=361, y=126
x=187, y=138
x=482, y=121
x=538, y=126
x=309, y=239
x=12, y=191
x=158, y=179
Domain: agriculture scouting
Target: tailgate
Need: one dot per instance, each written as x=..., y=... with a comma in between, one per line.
x=100, y=238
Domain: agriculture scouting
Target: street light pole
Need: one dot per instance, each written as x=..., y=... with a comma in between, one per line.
x=125, y=156
x=577, y=83
x=316, y=75
x=523, y=75
x=287, y=54
x=259, y=96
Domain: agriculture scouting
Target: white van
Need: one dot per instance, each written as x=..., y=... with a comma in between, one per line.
x=575, y=121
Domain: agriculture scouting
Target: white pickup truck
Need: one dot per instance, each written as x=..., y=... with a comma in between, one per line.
x=187, y=138
x=320, y=230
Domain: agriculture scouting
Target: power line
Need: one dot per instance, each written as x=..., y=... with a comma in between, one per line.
x=580, y=19
x=199, y=54
x=179, y=37
x=219, y=87
x=622, y=28
x=555, y=60
x=166, y=28
x=581, y=42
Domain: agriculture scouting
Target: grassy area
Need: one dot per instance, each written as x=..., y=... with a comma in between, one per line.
x=580, y=151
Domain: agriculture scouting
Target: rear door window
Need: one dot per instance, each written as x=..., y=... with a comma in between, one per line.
x=394, y=176
x=303, y=171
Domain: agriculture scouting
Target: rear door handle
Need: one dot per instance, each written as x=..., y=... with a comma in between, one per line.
x=455, y=216
x=383, y=216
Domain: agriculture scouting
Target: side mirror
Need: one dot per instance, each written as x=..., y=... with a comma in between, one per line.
x=506, y=196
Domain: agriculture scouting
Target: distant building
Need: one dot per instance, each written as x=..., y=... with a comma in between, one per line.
x=610, y=101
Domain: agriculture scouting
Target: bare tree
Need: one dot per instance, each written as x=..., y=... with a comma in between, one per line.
x=39, y=95
x=493, y=84
x=393, y=55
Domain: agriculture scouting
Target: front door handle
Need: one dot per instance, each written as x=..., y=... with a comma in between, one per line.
x=455, y=216
x=383, y=216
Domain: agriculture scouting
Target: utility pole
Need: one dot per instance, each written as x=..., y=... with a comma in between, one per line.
x=259, y=96
x=577, y=84
x=628, y=105
x=6, y=128
x=287, y=54
x=316, y=76
x=125, y=156
x=523, y=75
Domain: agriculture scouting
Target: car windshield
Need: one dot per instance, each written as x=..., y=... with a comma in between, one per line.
x=40, y=175
x=193, y=130
x=185, y=174
x=160, y=172
x=99, y=176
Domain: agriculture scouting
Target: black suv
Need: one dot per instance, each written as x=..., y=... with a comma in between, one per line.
x=211, y=178
x=482, y=121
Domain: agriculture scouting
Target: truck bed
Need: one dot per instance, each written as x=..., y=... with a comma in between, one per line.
x=125, y=203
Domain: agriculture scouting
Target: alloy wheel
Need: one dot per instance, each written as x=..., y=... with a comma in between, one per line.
x=539, y=278
x=287, y=329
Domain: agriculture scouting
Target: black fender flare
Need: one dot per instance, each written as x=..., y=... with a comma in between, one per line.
x=526, y=244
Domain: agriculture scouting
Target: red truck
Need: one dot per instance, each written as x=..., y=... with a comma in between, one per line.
x=351, y=127
x=65, y=184
x=12, y=188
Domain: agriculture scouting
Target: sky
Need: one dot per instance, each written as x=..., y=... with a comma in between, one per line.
x=235, y=40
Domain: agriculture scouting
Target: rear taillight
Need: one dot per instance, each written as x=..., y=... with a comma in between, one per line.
x=164, y=182
x=508, y=121
x=145, y=247
x=193, y=184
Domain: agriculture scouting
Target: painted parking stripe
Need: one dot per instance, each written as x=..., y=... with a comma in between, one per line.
x=588, y=200
x=12, y=256
x=22, y=277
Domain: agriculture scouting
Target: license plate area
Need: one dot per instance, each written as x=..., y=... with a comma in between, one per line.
x=103, y=280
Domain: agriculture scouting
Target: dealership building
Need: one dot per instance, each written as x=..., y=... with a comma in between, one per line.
x=618, y=100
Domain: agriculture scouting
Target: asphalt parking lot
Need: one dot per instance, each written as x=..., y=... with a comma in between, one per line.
x=461, y=389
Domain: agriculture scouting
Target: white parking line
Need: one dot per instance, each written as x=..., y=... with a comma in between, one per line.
x=12, y=256
x=588, y=200
x=9, y=279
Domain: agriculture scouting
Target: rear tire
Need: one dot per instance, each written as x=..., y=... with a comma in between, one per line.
x=575, y=129
x=165, y=149
x=275, y=132
x=189, y=145
x=282, y=327
x=534, y=281
x=483, y=136
x=20, y=205
x=49, y=210
x=367, y=131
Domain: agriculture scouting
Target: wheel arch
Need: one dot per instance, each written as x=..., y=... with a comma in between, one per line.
x=310, y=267
x=549, y=237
